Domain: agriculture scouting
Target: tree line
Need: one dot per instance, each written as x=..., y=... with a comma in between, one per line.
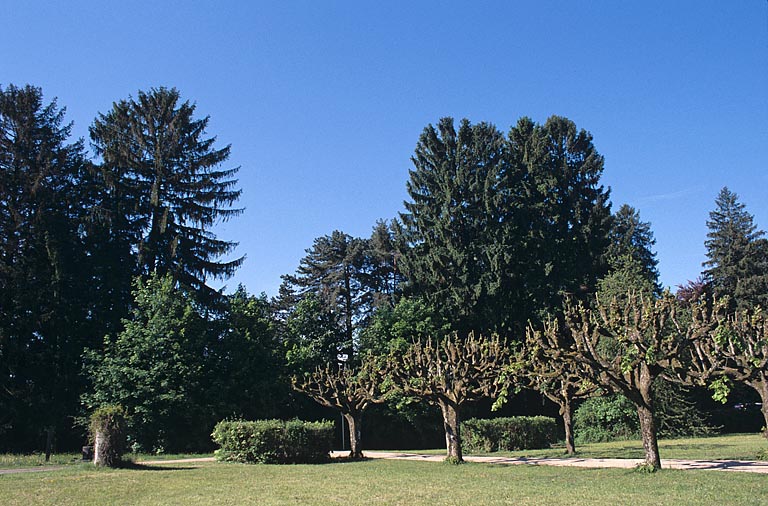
x=106, y=263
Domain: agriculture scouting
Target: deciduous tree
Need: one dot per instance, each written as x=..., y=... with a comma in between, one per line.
x=450, y=372
x=629, y=343
x=349, y=391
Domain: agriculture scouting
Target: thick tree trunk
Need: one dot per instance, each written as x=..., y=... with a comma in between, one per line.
x=762, y=389
x=648, y=432
x=355, y=439
x=452, y=434
x=566, y=411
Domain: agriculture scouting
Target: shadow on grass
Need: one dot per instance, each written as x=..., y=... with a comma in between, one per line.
x=133, y=466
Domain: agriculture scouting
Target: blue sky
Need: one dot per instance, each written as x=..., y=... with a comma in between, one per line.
x=323, y=102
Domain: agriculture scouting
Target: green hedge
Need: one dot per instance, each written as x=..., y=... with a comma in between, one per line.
x=273, y=441
x=507, y=434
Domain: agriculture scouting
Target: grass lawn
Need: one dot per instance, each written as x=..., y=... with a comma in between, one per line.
x=726, y=447
x=376, y=482
x=15, y=460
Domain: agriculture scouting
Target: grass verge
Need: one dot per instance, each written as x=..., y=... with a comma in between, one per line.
x=375, y=482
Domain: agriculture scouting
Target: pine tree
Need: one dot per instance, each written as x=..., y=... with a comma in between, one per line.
x=333, y=270
x=166, y=187
x=736, y=254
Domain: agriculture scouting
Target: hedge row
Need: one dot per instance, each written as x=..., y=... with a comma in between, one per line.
x=507, y=434
x=273, y=441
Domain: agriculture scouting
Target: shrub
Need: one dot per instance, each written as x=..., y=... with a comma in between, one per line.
x=107, y=427
x=513, y=433
x=606, y=418
x=273, y=441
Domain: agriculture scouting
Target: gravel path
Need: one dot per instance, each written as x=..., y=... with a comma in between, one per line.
x=744, y=466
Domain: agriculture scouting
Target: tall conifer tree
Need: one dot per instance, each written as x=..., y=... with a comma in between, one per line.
x=737, y=255
x=166, y=177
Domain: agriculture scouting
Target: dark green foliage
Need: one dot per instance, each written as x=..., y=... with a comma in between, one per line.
x=631, y=247
x=165, y=187
x=155, y=368
x=737, y=264
x=614, y=417
x=47, y=309
x=332, y=271
x=107, y=427
x=565, y=212
x=393, y=329
x=244, y=363
x=449, y=227
x=273, y=441
x=606, y=418
x=508, y=434
x=497, y=230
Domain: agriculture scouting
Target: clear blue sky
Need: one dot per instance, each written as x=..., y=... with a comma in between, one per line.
x=323, y=101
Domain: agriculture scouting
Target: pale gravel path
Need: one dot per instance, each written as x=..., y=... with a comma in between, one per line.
x=745, y=466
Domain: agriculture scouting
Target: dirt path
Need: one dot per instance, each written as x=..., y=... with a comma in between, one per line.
x=744, y=466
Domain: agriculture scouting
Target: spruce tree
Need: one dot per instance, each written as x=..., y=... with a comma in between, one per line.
x=737, y=260
x=168, y=187
x=449, y=252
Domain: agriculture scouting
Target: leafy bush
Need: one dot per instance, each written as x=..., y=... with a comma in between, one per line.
x=513, y=433
x=606, y=418
x=273, y=441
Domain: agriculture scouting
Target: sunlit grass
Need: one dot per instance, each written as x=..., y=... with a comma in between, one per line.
x=375, y=482
x=16, y=460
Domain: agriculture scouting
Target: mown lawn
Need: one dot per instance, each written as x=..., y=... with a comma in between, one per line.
x=15, y=460
x=375, y=482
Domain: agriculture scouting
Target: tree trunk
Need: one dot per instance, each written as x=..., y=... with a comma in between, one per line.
x=355, y=439
x=762, y=389
x=648, y=431
x=452, y=434
x=48, y=443
x=566, y=411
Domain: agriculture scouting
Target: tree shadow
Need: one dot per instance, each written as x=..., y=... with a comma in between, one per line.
x=133, y=466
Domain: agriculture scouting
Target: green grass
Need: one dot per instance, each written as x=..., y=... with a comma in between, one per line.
x=13, y=460
x=375, y=482
x=726, y=447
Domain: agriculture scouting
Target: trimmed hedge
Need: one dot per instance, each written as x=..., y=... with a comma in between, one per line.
x=507, y=434
x=273, y=441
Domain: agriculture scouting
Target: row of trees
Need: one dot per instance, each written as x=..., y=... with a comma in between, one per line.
x=75, y=231
x=499, y=231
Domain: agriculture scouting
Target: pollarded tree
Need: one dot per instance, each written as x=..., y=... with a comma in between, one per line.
x=165, y=175
x=349, y=391
x=629, y=343
x=450, y=372
x=737, y=350
x=549, y=367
